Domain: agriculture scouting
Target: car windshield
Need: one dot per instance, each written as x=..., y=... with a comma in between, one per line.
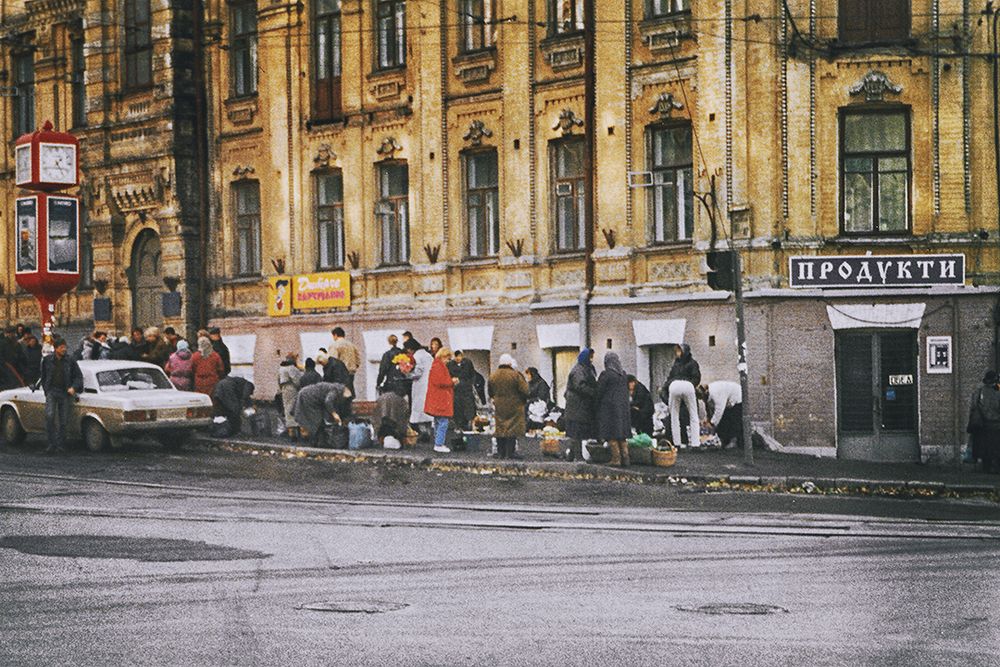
x=126, y=379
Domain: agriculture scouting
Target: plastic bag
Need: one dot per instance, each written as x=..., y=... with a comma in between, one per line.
x=359, y=435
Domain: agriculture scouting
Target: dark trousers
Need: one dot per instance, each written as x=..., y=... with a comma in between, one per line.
x=506, y=447
x=731, y=425
x=58, y=405
x=991, y=448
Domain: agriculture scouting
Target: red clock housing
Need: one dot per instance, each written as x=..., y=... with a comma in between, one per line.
x=47, y=160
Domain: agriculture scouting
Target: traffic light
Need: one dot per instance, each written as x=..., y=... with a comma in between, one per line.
x=721, y=268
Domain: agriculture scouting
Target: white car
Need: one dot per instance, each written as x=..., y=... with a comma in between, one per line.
x=120, y=399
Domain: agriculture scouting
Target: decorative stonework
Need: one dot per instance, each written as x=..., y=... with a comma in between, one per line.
x=324, y=157
x=665, y=105
x=565, y=58
x=567, y=121
x=389, y=148
x=875, y=85
x=475, y=67
x=243, y=171
x=476, y=132
x=385, y=90
x=517, y=279
x=136, y=191
x=666, y=33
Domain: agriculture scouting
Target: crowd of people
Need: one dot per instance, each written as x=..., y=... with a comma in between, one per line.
x=205, y=369
x=433, y=393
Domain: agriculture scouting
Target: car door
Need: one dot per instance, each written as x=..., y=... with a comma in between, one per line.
x=31, y=409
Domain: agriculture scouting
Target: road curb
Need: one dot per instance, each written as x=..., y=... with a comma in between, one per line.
x=586, y=471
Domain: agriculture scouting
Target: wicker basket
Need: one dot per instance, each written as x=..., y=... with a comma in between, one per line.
x=640, y=455
x=552, y=447
x=664, y=458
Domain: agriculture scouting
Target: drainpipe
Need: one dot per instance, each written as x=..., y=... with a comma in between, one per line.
x=589, y=163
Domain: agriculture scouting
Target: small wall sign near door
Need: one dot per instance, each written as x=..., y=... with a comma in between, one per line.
x=900, y=380
x=939, y=354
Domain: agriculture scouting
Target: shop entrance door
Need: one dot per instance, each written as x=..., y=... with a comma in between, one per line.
x=877, y=396
x=146, y=281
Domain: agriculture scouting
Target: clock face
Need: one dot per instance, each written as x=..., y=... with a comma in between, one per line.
x=57, y=163
x=22, y=172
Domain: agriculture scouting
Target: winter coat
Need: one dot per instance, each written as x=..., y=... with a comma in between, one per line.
x=641, y=405
x=207, y=372
x=538, y=390
x=86, y=350
x=223, y=351
x=422, y=362
x=138, y=350
x=335, y=401
x=465, y=391
x=387, y=371
x=581, y=390
x=440, y=399
x=684, y=368
x=72, y=377
x=347, y=352
x=336, y=371
x=159, y=353
x=614, y=421
x=310, y=405
x=32, y=364
x=990, y=407
x=391, y=415
x=233, y=394
x=121, y=351
x=180, y=368
x=509, y=392
x=289, y=379
x=310, y=377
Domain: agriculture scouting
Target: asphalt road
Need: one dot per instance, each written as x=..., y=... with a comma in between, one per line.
x=197, y=558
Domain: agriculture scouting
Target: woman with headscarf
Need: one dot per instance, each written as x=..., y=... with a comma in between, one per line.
x=440, y=400
x=180, y=367
x=679, y=394
x=319, y=404
x=581, y=389
x=641, y=404
x=208, y=368
x=614, y=423
x=509, y=392
x=311, y=375
x=289, y=381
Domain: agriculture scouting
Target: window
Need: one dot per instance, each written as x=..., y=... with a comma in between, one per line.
x=671, y=194
x=390, y=17
x=86, y=261
x=243, y=48
x=875, y=172
x=482, y=203
x=565, y=16
x=330, y=220
x=138, y=44
x=873, y=21
x=78, y=88
x=568, y=193
x=657, y=8
x=475, y=17
x=24, y=93
x=326, y=60
x=393, y=212
x=246, y=196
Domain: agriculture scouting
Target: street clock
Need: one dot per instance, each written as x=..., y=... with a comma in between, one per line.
x=46, y=160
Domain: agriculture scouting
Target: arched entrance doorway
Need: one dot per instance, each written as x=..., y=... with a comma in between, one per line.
x=146, y=280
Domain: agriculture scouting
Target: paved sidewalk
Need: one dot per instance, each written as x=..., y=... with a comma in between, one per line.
x=712, y=470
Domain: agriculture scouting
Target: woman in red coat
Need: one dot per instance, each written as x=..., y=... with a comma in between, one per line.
x=440, y=401
x=208, y=367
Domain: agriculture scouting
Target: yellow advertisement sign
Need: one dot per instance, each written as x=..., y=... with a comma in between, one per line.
x=279, y=296
x=321, y=291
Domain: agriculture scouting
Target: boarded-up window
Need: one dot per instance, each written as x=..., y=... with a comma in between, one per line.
x=873, y=21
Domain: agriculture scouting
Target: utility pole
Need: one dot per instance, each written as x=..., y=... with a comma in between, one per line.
x=589, y=163
x=741, y=355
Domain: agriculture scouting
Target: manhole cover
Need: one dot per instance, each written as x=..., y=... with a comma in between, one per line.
x=147, y=549
x=355, y=606
x=735, y=609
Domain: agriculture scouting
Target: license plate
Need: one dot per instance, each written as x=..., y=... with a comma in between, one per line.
x=174, y=413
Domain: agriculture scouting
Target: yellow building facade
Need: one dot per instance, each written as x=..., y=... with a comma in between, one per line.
x=434, y=151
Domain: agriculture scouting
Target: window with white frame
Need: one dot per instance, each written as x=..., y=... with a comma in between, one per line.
x=246, y=202
x=568, y=194
x=390, y=29
x=330, y=219
x=475, y=19
x=875, y=171
x=393, y=212
x=671, y=192
x=482, y=202
x=565, y=16
x=243, y=47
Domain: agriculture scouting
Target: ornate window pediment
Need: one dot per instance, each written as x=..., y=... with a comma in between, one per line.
x=567, y=121
x=476, y=132
x=875, y=85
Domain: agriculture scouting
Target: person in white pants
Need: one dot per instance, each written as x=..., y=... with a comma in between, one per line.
x=682, y=391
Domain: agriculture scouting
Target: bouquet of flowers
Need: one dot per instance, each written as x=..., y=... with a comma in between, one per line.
x=403, y=362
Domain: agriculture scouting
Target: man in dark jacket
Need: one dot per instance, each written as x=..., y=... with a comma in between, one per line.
x=62, y=381
x=465, y=391
x=138, y=345
x=334, y=370
x=12, y=360
x=32, y=360
x=989, y=408
x=310, y=376
x=641, y=405
x=215, y=335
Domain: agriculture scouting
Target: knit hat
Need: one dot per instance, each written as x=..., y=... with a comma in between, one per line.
x=182, y=345
x=507, y=360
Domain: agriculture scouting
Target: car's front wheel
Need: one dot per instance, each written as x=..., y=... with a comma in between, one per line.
x=10, y=425
x=94, y=435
